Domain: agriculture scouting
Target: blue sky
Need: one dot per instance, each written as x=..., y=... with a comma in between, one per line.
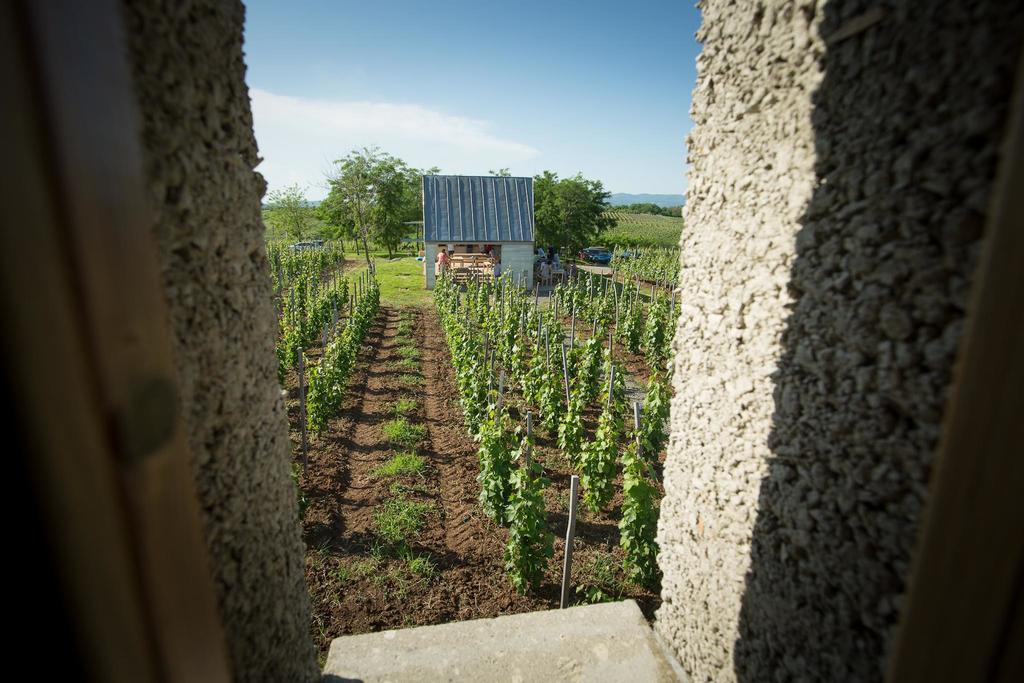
x=589, y=86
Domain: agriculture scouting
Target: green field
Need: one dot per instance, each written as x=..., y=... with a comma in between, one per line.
x=401, y=281
x=642, y=230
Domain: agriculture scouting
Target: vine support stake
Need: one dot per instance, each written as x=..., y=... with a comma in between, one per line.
x=547, y=346
x=615, y=296
x=302, y=414
x=611, y=384
x=501, y=391
x=570, y=535
x=636, y=426
x=565, y=376
x=572, y=328
x=529, y=444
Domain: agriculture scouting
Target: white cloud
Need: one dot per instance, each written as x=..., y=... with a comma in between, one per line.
x=300, y=137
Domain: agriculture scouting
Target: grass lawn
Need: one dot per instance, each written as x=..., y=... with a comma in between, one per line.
x=401, y=281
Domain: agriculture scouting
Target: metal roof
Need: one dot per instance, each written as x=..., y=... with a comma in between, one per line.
x=459, y=208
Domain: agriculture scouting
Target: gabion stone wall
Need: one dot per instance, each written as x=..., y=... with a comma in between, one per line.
x=199, y=159
x=842, y=157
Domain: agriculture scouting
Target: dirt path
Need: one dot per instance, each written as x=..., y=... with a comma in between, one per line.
x=358, y=583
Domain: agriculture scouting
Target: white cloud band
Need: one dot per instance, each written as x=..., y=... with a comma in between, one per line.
x=299, y=137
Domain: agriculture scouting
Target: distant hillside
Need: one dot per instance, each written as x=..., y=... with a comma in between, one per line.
x=622, y=198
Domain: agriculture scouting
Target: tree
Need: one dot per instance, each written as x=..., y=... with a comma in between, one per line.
x=393, y=202
x=288, y=212
x=349, y=202
x=501, y=173
x=372, y=195
x=569, y=212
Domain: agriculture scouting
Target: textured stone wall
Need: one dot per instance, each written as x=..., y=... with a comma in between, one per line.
x=199, y=159
x=842, y=157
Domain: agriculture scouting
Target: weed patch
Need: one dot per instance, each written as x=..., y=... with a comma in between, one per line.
x=399, y=431
x=400, y=518
x=401, y=464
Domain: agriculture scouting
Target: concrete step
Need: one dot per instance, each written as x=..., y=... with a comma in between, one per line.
x=606, y=642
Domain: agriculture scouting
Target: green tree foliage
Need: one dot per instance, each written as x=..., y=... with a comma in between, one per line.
x=288, y=214
x=569, y=212
x=372, y=196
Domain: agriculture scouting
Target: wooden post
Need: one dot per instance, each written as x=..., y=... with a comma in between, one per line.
x=570, y=535
x=302, y=414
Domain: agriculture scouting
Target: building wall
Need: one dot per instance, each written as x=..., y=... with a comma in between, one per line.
x=518, y=258
x=199, y=159
x=429, y=256
x=842, y=157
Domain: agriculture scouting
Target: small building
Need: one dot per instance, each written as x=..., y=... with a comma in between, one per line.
x=483, y=222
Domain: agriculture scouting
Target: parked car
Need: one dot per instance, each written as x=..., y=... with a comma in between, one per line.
x=598, y=255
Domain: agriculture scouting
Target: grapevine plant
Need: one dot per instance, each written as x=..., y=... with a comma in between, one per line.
x=597, y=461
x=327, y=379
x=530, y=543
x=639, y=524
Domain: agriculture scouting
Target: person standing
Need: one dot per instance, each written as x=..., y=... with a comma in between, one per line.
x=442, y=262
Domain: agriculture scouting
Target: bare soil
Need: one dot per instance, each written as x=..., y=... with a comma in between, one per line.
x=357, y=582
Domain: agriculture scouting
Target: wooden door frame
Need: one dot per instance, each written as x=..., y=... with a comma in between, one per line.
x=87, y=350
x=964, y=617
